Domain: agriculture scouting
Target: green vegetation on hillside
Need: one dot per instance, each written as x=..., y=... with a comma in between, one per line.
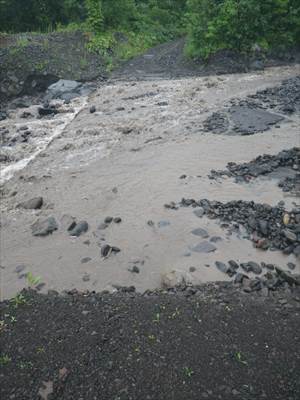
x=128, y=27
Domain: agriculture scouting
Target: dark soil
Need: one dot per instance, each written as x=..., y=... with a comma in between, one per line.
x=258, y=112
x=287, y=161
x=268, y=227
x=32, y=62
x=211, y=342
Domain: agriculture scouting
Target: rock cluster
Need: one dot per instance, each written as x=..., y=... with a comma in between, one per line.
x=268, y=227
x=264, y=165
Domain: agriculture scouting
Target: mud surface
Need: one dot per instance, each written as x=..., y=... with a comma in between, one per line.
x=106, y=165
x=208, y=342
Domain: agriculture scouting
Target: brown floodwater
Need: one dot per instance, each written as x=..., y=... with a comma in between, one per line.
x=125, y=160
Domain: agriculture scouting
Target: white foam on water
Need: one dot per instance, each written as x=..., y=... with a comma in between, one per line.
x=8, y=172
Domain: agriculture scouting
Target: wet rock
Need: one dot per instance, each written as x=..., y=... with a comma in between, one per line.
x=163, y=224
x=46, y=111
x=85, y=260
x=288, y=277
x=297, y=251
x=227, y=269
x=291, y=266
x=134, y=270
x=171, y=206
x=239, y=278
x=215, y=239
x=291, y=236
x=3, y=115
x=106, y=250
x=80, y=228
x=68, y=222
x=233, y=264
x=102, y=226
x=19, y=268
x=200, y=232
x=62, y=88
x=254, y=267
x=204, y=247
x=43, y=227
x=199, y=212
x=92, y=109
x=32, y=204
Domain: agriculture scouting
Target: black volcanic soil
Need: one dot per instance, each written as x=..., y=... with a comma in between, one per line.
x=211, y=342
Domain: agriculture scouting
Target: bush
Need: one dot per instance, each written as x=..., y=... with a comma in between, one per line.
x=240, y=24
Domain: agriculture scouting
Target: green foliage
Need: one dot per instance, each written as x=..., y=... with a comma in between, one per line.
x=94, y=15
x=240, y=24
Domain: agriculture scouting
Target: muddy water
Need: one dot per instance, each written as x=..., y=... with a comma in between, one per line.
x=126, y=160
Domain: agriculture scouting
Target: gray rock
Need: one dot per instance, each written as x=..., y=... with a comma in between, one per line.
x=106, y=250
x=32, y=204
x=288, y=277
x=239, y=278
x=79, y=228
x=92, y=109
x=85, y=260
x=20, y=268
x=291, y=265
x=297, y=251
x=291, y=236
x=62, y=87
x=222, y=267
x=117, y=220
x=255, y=268
x=102, y=226
x=108, y=220
x=199, y=212
x=215, y=239
x=200, y=232
x=134, y=270
x=204, y=247
x=44, y=227
x=163, y=224
x=233, y=264
x=68, y=222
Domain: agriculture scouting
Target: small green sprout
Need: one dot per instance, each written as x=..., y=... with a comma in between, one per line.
x=4, y=359
x=157, y=318
x=32, y=280
x=188, y=372
x=18, y=300
x=239, y=357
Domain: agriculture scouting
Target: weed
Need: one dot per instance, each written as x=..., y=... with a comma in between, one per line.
x=157, y=318
x=239, y=357
x=40, y=350
x=188, y=372
x=18, y=300
x=4, y=360
x=32, y=280
x=25, y=364
x=2, y=325
x=175, y=314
